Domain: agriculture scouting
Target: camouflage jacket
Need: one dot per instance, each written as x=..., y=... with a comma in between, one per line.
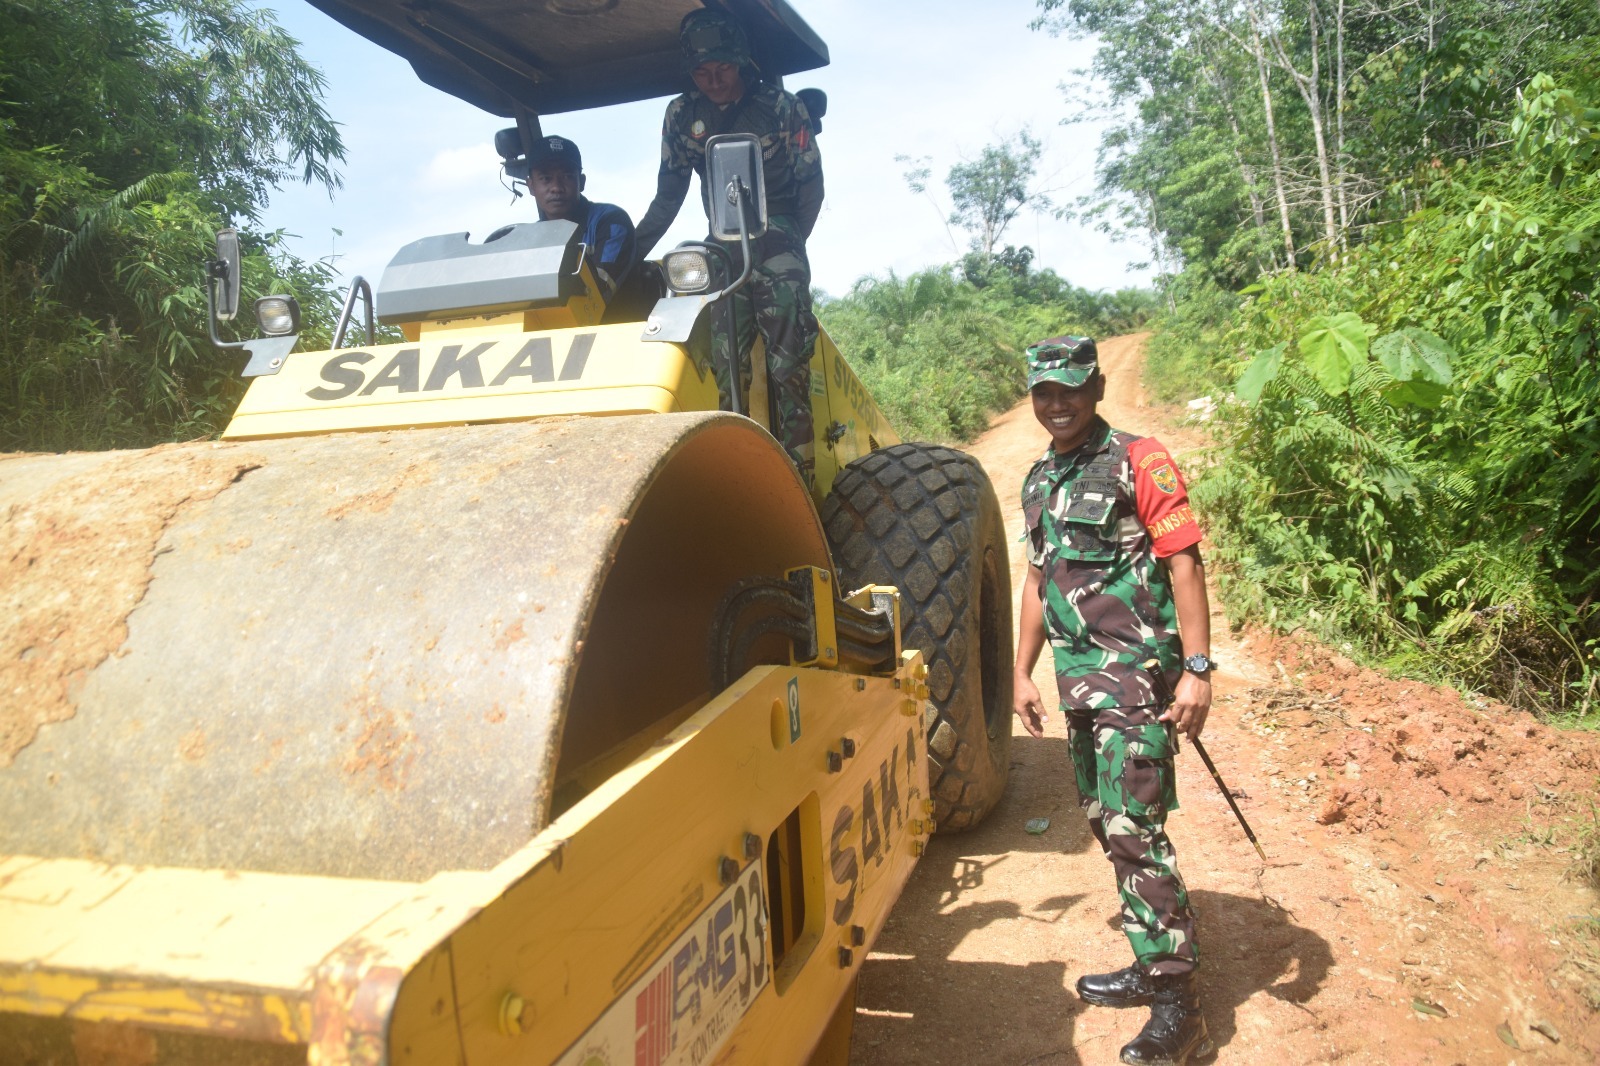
x=1099, y=520
x=791, y=165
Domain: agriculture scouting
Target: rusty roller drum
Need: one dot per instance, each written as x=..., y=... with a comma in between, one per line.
x=370, y=655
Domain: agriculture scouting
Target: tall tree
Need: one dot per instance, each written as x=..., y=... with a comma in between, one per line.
x=1386, y=92
x=1258, y=53
x=990, y=191
x=129, y=131
x=1306, y=73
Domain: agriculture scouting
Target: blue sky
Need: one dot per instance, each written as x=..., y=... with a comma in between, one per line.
x=934, y=78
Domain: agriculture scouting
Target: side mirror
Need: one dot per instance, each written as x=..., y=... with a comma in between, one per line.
x=225, y=273
x=513, y=156
x=736, y=199
x=222, y=304
x=733, y=162
x=816, y=102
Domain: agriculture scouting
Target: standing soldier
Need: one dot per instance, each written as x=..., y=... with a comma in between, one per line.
x=730, y=97
x=1114, y=578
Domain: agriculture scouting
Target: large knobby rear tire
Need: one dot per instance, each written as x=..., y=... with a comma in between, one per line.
x=924, y=518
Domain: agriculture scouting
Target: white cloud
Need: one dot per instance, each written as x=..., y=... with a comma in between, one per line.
x=455, y=168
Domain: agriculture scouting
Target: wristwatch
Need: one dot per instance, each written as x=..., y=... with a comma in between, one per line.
x=1199, y=664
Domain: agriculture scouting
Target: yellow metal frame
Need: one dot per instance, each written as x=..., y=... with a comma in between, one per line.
x=683, y=810
x=504, y=368
x=839, y=399
x=473, y=376
x=518, y=962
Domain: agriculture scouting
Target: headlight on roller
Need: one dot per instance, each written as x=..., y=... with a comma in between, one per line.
x=688, y=270
x=278, y=315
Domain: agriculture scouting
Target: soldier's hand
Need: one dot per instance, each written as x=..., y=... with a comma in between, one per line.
x=1028, y=705
x=1190, y=705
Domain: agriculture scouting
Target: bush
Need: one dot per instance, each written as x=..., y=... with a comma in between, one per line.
x=943, y=354
x=130, y=133
x=1411, y=464
x=1187, y=358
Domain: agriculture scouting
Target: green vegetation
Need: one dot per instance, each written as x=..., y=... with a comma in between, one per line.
x=1382, y=238
x=1586, y=849
x=129, y=133
x=1186, y=356
x=943, y=349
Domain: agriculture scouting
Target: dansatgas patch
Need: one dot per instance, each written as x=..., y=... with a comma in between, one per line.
x=1166, y=479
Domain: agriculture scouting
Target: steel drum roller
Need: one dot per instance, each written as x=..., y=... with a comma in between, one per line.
x=359, y=655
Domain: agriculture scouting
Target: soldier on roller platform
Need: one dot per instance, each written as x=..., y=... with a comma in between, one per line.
x=1116, y=585
x=730, y=97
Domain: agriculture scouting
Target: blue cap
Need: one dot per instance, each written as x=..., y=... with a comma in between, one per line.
x=555, y=150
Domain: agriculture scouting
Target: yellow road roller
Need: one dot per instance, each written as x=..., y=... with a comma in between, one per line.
x=487, y=695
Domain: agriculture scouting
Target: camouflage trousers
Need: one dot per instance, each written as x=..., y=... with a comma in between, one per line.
x=777, y=302
x=1123, y=760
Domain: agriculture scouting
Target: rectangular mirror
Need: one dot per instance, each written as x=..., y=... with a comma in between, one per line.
x=227, y=276
x=731, y=158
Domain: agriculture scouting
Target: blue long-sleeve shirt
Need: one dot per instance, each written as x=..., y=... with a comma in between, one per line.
x=608, y=233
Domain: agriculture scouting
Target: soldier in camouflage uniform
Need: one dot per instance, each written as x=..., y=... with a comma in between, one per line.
x=729, y=97
x=1116, y=585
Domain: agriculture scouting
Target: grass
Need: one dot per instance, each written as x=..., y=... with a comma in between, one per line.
x=1586, y=850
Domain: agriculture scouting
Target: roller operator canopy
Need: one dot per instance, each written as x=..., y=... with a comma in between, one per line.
x=551, y=56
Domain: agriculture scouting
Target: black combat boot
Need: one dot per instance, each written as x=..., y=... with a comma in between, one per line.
x=1127, y=987
x=1176, y=1030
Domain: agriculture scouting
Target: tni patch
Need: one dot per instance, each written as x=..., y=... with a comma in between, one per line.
x=1165, y=478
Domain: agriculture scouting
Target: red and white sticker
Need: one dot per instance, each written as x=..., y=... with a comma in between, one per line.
x=684, y=1007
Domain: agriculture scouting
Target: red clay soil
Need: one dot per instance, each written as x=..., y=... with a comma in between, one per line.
x=1417, y=905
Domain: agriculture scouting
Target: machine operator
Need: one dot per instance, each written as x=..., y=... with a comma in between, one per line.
x=556, y=181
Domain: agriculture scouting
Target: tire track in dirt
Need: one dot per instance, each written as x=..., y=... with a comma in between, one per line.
x=1315, y=956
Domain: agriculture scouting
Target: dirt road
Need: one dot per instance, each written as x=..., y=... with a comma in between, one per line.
x=1415, y=907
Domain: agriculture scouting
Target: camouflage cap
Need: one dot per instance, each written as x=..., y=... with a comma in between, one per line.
x=1072, y=361
x=711, y=36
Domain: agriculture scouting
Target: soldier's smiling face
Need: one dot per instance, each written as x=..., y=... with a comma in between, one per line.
x=1067, y=413
x=718, y=82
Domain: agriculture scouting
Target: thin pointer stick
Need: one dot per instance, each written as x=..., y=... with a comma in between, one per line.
x=1201, y=748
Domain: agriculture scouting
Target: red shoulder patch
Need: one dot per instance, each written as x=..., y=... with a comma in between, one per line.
x=1161, y=498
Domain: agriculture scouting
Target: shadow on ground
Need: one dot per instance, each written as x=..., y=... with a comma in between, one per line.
x=1250, y=946
x=947, y=984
